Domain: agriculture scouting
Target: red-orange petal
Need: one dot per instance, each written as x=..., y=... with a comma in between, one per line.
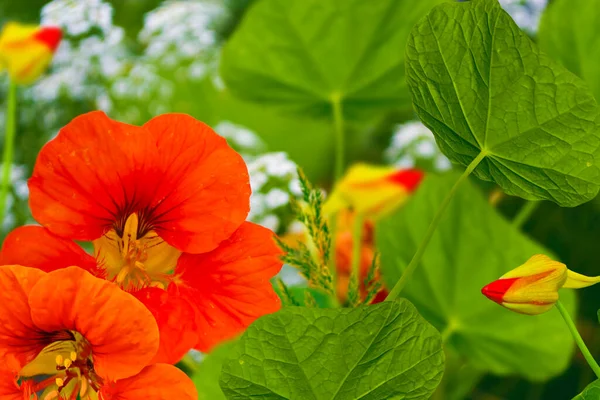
x=35, y=246
x=182, y=179
x=19, y=336
x=410, y=179
x=155, y=382
x=175, y=319
x=84, y=176
x=206, y=193
x=121, y=331
x=9, y=389
x=49, y=36
x=496, y=290
x=230, y=286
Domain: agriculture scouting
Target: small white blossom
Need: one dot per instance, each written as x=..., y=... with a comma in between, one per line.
x=525, y=13
x=412, y=141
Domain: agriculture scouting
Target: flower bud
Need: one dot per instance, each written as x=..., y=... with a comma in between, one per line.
x=372, y=191
x=26, y=50
x=532, y=288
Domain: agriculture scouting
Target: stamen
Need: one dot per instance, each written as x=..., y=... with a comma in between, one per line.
x=123, y=274
x=157, y=284
x=84, y=387
x=73, y=356
x=67, y=363
x=52, y=395
x=129, y=233
x=59, y=382
x=59, y=360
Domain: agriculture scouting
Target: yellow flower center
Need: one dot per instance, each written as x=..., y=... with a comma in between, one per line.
x=136, y=260
x=68, y=368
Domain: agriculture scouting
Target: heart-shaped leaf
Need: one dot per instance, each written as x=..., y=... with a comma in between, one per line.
x=304, y=55
x=591, y=392
x=473, y=246
x=374, y=352
x=569, y=33
x=481, y=85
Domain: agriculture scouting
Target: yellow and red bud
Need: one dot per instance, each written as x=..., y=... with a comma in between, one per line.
x=532, y=288
x=372, y=191
x=26, y=50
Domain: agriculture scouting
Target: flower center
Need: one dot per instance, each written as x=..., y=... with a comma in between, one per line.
x=136, y=262
x=68, y=370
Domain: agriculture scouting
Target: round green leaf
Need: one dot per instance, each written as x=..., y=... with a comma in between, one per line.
x=367, y=353
x=473, y=246
x=304, y=55
x=591, y=392
x=481, y=85
x=569, y=33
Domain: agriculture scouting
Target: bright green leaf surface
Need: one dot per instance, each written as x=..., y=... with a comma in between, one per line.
x=591, y=392
x=472, y=247
x=480, y=84
x=569, y=33
x=377, y=352
x=206, y=378
x=301, y=54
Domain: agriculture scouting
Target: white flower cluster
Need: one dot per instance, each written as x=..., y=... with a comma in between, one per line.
x=243, y=140
x=178, y=34
x=526, y=13
x=274, y=179
x=19, y=193
x=411, y=142
x=92, y=52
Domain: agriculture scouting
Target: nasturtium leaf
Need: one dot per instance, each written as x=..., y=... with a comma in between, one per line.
x=569, y=33
x=377, y=352
x=472, y=246
x=591, y=392
x=481, y=85
x=301, y=55
x=206, y=377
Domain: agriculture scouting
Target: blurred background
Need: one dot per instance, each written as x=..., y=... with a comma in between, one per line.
x=135, y=59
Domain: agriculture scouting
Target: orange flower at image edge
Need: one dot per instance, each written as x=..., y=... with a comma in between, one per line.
x=26, y=50
x=165, y=206
x=66, y=334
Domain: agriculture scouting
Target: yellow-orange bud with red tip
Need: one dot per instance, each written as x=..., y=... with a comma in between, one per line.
x=372, y=191
x=26, y=50
x=532, y=288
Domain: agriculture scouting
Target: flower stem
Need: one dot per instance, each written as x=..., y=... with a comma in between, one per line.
x=410, y=269
x=524, y=213
x=580, y=343
x=338, y=123
x=9, y=140
x=357, y=229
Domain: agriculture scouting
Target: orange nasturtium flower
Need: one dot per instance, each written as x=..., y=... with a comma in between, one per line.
x=532, y=288
x=26, y=50
x=165, y=206
x=82, y=336
x=373, y=191
x=368, y=192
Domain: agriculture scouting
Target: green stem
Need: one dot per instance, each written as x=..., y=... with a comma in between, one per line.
x=338, y=123
x=410, y=269
x=524, y=213
x=580, y=343
x=9, y=144
x=357, y=229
